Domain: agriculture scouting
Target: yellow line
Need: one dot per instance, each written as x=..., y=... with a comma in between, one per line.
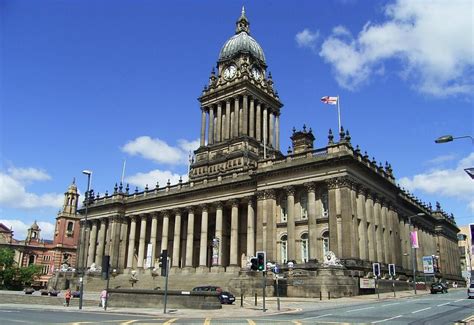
x=172, y=320
x=129, y=322
x=296, y=322
x=207, y=321
x=251, y=322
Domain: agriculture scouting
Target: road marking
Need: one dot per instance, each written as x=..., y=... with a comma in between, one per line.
x=459, y=300
x=296, y=322
x=172, y=320
x=207, y=321
x=395, y=303
x=384, y=320
x=447, y=303
x=251, y=322
x=320, y=316
x=130, y=321
x=417, y=311
x=350, y=311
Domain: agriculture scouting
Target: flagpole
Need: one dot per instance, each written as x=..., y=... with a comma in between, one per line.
x=338, y=113
x=123, y=170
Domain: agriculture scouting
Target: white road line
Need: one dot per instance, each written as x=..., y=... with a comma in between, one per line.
x=395, y=303
x=447, y=303
x=320, y=316
x=459, y=300
x=417, y=311
x=384, y=320
x=350, y=311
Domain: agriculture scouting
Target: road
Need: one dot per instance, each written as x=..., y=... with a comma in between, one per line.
x=427, y=309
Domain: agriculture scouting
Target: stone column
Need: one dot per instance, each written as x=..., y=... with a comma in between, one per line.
x=312, y=226
x=210, y=135
x=115, y=240
x=364, y=241
x=258, y=123
x=131, y=241
x=227, y=119
x=141, y=243
x=348, y=237
x=101, y=242
x=203, y=244
x=190, y=237
x=250, y=227
x=245, y=111
x=219, y=122
x=260, y=231
x=219, y=218
x=277, y=130
x=203, y=126
x=92, y=243
x=386, y=233
x=290, y=225
x=379, y=232
x=333, y=233
x=234, y=232
x=154, y=229
x=369, y=209
x=252, y=118
x=123, y=243
x=237, y=124
x=356, y=222
x=177, y=237
x=265, y=125
x=272, y=130
x=270, y=222
x=165, y=230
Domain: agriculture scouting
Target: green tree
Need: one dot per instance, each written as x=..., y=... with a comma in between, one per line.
x=12, y=276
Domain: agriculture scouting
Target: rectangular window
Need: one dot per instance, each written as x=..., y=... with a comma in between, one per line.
x=304, y=206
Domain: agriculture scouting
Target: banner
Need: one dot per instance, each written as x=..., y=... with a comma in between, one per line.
x=471, y=227
x=149, y=250
x=414, y=239
x=428, y=267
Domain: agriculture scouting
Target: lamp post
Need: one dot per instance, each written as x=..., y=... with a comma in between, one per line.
x=413, y=250
x=83, y=237
x=449, y=138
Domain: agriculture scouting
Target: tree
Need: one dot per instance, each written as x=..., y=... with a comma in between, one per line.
x=12, y=276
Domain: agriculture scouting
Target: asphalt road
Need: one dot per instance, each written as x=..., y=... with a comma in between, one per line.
x=427, y=309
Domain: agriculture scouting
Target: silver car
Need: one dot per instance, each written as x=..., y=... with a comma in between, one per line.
x=470, y=291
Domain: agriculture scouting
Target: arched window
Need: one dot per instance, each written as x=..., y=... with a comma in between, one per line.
x=304, y=247
x=284, y=249
x=284, y=209
x=325, y=242
x=304, y=206
x=324, y=205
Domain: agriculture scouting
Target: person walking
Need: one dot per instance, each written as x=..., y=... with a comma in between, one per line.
x=103, y=298
x=67, y=297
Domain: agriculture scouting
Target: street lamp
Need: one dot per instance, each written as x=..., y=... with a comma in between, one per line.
x=413, y=250
x=83, y=235
x=449, y=138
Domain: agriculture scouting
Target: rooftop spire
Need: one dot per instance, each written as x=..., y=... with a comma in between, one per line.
x=242, y=23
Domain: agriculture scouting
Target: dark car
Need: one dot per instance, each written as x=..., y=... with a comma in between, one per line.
x=208, y=289
x=470, y=291
x=439, y=287
x=226, y=298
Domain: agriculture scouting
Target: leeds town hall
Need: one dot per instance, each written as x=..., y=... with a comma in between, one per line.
x=244, y=194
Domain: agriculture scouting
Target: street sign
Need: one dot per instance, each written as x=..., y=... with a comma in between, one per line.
x=391, y=269
x=376, y=269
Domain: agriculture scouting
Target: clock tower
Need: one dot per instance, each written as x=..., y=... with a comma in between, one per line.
x=240, y=110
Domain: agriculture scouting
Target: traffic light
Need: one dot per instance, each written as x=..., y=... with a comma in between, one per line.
x=254, y=266
x=163, y=264
x=376, y=269
x=105, y=267
x=391, y=269
x=261, y=261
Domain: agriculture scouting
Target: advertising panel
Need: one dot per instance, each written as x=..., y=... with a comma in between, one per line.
x=367, y=283
x=428, y=267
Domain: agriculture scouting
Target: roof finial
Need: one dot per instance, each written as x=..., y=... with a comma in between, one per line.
x=242, y=23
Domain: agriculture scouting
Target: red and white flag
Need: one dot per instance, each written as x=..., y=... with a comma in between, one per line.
x=329, y=100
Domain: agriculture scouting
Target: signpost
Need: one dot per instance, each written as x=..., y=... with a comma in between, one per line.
x=376, y=271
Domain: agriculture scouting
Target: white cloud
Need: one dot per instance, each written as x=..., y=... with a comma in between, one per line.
x=307, y=38
x=435, y=56
x=150, y=178
x=441, y=159
x=20, y=228
x=453, y=183
x=159, y=151
x=13, y=192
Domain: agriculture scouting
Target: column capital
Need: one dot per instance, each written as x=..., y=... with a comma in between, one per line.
x=204, y=207
x=133, y=217
x=369, y=194
x=165, y=213
x=338, y=182
x=362, y=190
x=177, y=211
x=204, y=109
x=219, y=205
x=154, y=215
x=234, y=202
x=290, y=190
x=310, y=187
x=377, y=198
x=270, y=194
x=250, y=199
x=260, y=195
x=190, y=208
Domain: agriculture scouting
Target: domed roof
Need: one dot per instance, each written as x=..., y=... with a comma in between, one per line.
x=242, y=42
x=34, y=226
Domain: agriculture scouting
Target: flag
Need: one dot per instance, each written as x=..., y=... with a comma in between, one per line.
x=470, y=172
x=329, y=100
x=414, y=239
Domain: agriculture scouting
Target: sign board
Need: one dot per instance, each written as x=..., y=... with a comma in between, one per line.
x=428, y=267
x=366, y=283
x=414, y=239
x=376, y=269
x=149, y=249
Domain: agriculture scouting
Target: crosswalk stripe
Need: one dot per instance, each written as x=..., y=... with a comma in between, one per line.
x=207, y=321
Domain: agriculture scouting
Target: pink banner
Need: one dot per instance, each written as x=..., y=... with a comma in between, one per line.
x=414, y=239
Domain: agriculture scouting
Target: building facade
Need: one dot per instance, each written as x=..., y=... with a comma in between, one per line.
x=466, y=251
x=244, y=195
x=51, y=255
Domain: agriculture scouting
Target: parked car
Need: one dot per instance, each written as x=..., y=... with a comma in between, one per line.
x=470, y=291
x=439, y=287
x=225, y=297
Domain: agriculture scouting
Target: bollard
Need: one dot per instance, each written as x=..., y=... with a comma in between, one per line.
x=320, y=295
x=255, y=299
x=329, y=295
x=241, y=300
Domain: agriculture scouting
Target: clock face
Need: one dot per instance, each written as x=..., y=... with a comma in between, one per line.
x=230, y=72
x=256, y=73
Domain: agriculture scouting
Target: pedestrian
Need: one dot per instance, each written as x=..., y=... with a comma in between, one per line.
x=68, y=296
x=103, y=298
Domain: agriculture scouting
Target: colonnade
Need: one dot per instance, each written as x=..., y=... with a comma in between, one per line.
x=237, y=116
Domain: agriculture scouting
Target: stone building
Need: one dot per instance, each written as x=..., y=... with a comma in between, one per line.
x=51, y=255
x=244, y=195
x=466, y=250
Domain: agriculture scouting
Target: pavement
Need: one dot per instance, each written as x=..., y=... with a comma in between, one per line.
x=288, y=305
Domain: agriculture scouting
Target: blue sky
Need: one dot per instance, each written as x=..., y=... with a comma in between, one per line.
x=88, y=84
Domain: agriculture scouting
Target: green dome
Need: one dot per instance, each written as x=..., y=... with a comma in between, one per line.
x=241, y=43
